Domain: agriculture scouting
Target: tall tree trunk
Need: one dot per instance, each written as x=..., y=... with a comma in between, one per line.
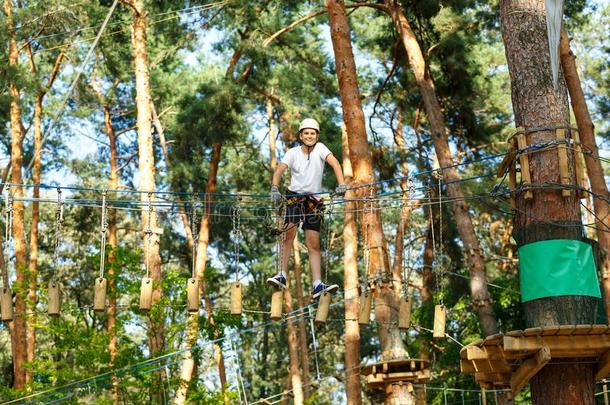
x=594, y=165
x=113, y=184
x=301, y=325
x=293, y=350
x=202, y=258
x=549, y=215
x=33, y=265
x=386, y=302
x=36, y=176
x=146, y=169
x=405, y=211
x=19, y=242
x=478, y=279
x=350, y=285
x=272, y=135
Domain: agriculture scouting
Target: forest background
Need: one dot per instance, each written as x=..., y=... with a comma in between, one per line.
x=226, y=97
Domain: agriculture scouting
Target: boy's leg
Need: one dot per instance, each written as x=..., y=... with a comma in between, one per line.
x=312, y=241
x=291, y=231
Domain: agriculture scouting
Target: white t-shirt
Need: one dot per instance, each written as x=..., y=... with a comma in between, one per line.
x=306, y=171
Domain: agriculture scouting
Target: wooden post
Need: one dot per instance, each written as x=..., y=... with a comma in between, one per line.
x=54, y=298
x=581, y=175
x=6, y=304
x=366, y=299
x=323, y=306
x=276, y=304
x=526, y=178
x=146, y=288
x=404, y=313
x=236, y=298
x=562, y=152
x=99, y=300
x=439, y=321
x=192, y=295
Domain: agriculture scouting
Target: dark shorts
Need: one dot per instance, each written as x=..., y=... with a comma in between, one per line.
x=304, y=209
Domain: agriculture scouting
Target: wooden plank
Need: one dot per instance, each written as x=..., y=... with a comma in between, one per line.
x=560, y=346
x=439, y=321
x=493, y=339
x=603, y=367
x=467, y=367
x=493, y=378
x=581, y=174
x=507, y=162
x=526, y=178
x=550, y=330
x=582, y=329
x=515, y=333
x=564, y=171
x=482, y=366
x=566, y=329
x=476, y=353
x=599, y=329
x=533, y=331
x=528, y=369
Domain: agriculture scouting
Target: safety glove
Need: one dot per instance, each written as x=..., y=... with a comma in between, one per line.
x=341, y=189
x=276, y=196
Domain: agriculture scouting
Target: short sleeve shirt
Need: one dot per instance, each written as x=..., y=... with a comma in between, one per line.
x=306, y=170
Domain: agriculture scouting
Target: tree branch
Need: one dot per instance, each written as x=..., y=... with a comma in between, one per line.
x=308, y=17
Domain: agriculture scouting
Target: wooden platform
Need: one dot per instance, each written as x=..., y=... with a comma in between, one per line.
x=381, y=374
x=512, y=359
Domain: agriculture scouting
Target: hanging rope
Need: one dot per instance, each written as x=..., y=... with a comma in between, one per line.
x=148, y=235
x=236, y=236
x=8, y=231
x=103, y=229
x=327, y=241
x=440, y=242
x=195, y=232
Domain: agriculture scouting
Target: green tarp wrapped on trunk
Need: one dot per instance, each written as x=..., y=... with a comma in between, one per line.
x=557, y=267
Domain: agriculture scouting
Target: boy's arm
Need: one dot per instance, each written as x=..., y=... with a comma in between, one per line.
x=277, y=174
x=334, y=163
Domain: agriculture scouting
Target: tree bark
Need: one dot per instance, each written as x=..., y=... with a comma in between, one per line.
x=594, y=165
x=33, y=264
x=350, y=285
x=386, y=299
x=478, y=279
x=405, y=210
x=19, y=242
x=113, y=184
x=549, y=215
x=293, y=350
x=146, y=167
x=202, y=258
x=36, y=176
x=301, y=325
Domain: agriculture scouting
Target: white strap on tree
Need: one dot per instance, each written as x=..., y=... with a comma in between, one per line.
x=554, y=16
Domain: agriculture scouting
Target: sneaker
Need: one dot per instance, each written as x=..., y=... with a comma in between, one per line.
x=277, y=281
x=317, y=291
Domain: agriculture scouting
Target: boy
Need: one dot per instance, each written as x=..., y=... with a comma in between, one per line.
x=306, y=163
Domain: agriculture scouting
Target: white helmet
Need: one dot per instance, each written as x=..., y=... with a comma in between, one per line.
x=309, y=123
